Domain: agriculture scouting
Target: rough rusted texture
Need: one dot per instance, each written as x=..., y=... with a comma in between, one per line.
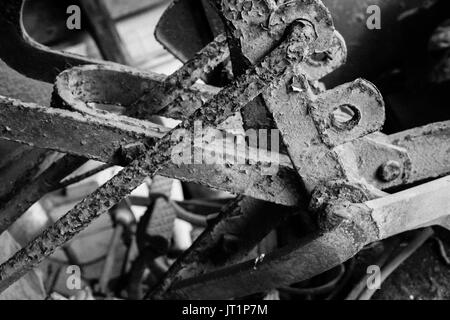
x=67, y=227
x=175, y=85
x=304, y=121
x=328, y=197
x=229, y=101
x=250, y=32
x=48, y=128
x=350, y=226
x=299, y=261
x=21, y=164
x=258, y=26
x=13, y=207
x=339, y=240
x=96, y=89
x=245, y=220
x=428, y=148
x=364, y=100
x=253, y=27
x=365, y=157
x=251, y=178
x=347, y=227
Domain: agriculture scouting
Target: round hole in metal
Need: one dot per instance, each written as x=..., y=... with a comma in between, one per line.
x=345, y=117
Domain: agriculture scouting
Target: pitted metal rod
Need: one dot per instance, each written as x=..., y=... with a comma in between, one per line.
x=47, y=128
x=97, y=139
x=174, y=89
x=229, y=240
x=204, y=250
x=229, y=101
x=305, y=120
x=341, y=239
x=84, y=88
x=147, y=94
x=140, y=94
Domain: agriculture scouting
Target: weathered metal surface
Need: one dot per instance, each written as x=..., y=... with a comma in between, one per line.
x=328, y=140
x=363, y=156
x=82, y=89
x=189, y=265
x=48, y=128
x=229, y=101
x=256, y=29
x=346, y=226
x=428, y=148
x=418, y=207
x=382, y=47
x=226, y=242
x=173, y=90
x=368, y=157
x=306, y=124
x=303, y=119
x=301, y=261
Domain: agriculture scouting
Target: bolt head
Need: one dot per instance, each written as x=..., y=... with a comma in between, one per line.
x=390, y=171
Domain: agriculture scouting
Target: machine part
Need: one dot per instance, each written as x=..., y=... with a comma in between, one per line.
x=342, y=223
x=364, y=223
x=227, y=241
x=423, y=151
x=227, y=102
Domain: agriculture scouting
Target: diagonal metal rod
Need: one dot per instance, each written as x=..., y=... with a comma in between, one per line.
x=175, y=86
x=241, y=226
x=229, y=101
x=426, y=147
x=365, y=223
x=87, y=136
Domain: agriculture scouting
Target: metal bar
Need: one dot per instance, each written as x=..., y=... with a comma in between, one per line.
x=428, y=148
x=359, y=224
x=300, y=261
x=175, y=86
x=229, y=101
x=70, y=132
x=48, y=128
x=100, y=140
x=241, y=226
